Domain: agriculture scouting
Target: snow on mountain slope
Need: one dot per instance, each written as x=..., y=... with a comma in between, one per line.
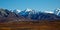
x=16, y=11
x=48, y=12
x=57, y=11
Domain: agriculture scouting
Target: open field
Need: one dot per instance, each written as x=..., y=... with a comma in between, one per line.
x=31, y=25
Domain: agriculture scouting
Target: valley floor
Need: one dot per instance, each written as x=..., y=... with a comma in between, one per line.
x=31, y=25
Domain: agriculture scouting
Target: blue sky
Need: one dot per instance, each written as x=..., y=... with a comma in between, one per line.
x=41, y=5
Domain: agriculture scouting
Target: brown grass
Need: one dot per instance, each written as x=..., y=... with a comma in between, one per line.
x=31, y=25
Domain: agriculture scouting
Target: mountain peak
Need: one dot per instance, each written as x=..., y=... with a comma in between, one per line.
x=58, y=8
x=17, y=11
x=57, y=11
x=28, y=9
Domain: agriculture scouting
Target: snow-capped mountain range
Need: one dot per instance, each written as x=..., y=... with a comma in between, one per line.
x=56, y=11
x=27, y=14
